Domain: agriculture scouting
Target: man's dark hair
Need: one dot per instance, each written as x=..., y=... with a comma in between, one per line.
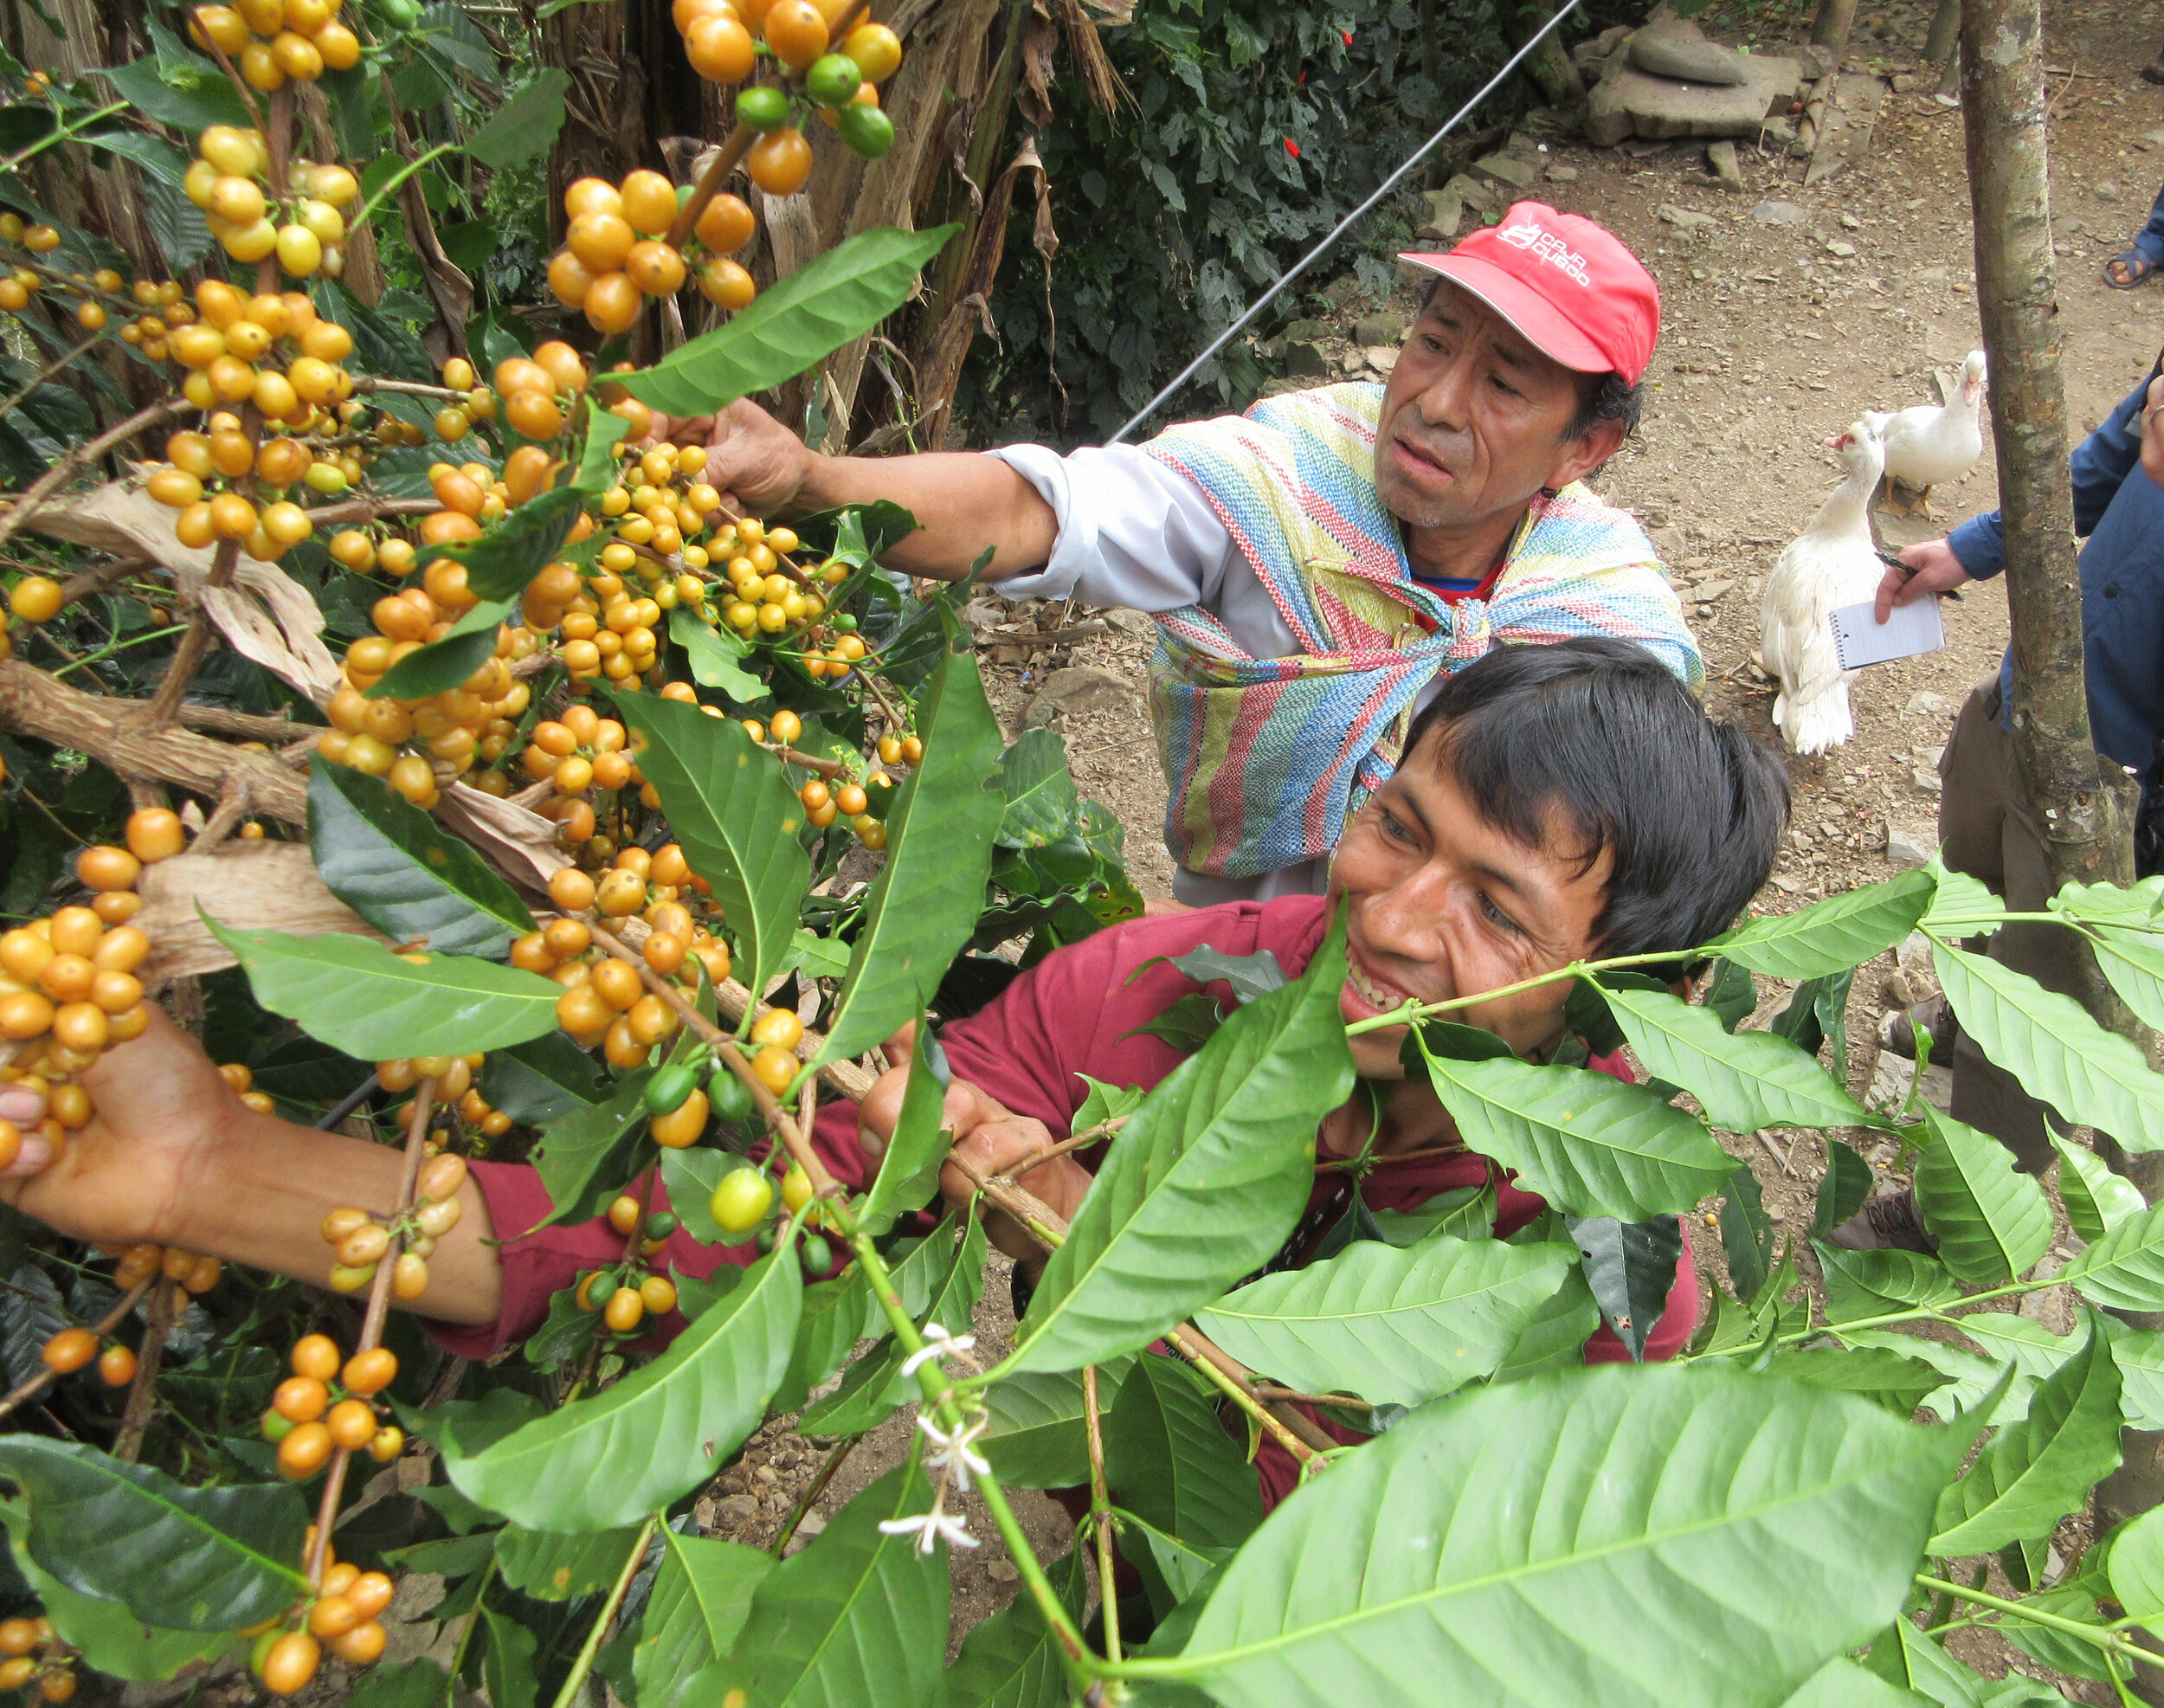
x=1606, y=396
x=1596, y=739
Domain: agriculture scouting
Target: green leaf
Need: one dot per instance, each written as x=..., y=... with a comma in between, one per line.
x=1743, y=1080
x=1962, y=905
x=1976, y=1391
x=542, y=1081
x=419, y=1683
x=1630, y=1267
x=1888, y=1378
x=598, y=462
x=1041, y=800
x=2140, y=1354
x=1172, y=1461
x=208, y=100
x=1842, y=1189
x=1249, y=976
x=796, y=322
x=1860, y=1284
x=441, y=666
x=836, y=1315
x=523, y=128
x=574, y=1146
x=1013, y=1660
x=701, y=1597
x=715, y=661
x=1204, y=1181
x=2048, y=1042
x=691, y=1176
x=514, y=549
x=1555, y=1338
x=1393, y=1326
x=357, y=996
x=2034, y=1472
x=1588, y=1144
x=909, y=1173
x=875, y=1384
x=1503, y=1546
x=1831, y=936
x=1909, y=1662
x=730, y=805
x=1842, y=1684
x=611, y=1459
x=1730, y=994
x=1747, y=1233
x=859, y=1617
x=554, y=1566
x=1036, y=1438
x=110, y=1637
x=2123, y=925
x=2137, y=1566
x=390, y=863
x=2124, y=1271
x=925, y=902
x=1992, y=1221
x=507, y=1664
x=2060, y=1651
x=184, y=1559
x=2096, y=1199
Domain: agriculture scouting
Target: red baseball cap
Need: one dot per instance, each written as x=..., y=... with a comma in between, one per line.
x=1572, y=289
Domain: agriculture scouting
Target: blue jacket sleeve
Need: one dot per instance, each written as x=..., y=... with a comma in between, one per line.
x=2099, y=465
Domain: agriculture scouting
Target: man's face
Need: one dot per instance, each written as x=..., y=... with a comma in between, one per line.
x=1474, y=419
x=1440, y=904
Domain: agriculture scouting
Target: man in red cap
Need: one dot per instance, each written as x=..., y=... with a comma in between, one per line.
x=1318, y=565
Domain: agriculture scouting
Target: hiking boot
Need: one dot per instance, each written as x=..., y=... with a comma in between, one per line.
x=1898, y=1031
x=1887, y=1223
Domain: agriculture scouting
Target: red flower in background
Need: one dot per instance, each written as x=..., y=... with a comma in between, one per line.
x=1347, y=33
x=1293, y=148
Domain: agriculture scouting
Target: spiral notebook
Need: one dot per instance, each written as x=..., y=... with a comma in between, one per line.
x=1859, y=639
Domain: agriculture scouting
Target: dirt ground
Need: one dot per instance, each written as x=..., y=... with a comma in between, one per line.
x=1775, y=337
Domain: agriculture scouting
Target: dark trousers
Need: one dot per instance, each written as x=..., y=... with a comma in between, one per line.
x=1985, y=831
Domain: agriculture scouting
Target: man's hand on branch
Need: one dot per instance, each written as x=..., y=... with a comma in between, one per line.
x=162, y=1110
x=994, y=1138
x=756, y=464
x=1928, y=568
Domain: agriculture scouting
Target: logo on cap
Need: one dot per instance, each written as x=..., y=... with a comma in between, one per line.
x=1546, y=246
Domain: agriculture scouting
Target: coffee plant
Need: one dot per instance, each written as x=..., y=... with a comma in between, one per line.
x=623, y=827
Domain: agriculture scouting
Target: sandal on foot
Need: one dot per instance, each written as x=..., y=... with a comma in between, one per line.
x=2137, y=268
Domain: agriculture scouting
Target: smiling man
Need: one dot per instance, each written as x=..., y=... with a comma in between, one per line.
x=1556, y=802
x=1318, y=565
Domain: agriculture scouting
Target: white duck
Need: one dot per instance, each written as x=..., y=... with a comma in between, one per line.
x=1831, y=563
x=1928, y=443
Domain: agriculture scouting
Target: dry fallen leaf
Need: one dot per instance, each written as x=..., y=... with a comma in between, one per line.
x=284, y=633
x=519, y=841
x=251, y=886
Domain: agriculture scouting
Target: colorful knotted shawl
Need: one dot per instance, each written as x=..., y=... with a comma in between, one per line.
x=1266, y=758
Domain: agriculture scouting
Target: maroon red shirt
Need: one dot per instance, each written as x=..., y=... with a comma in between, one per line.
x=1073, y=1014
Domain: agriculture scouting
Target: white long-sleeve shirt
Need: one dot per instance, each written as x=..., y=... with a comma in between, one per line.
x=1138, y=535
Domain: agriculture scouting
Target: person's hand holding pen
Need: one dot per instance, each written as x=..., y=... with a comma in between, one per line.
x=1928, y=568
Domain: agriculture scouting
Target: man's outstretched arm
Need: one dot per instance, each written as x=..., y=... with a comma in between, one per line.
x=962, y=501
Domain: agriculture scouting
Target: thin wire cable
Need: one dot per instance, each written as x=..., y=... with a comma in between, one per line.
x=1344, y=224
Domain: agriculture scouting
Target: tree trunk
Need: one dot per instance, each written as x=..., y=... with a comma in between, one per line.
x=1945, y=32
x=2081, y=799
x=1830, y=27
x=1548, y=65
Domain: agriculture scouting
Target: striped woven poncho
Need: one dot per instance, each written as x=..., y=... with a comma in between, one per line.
x=1267, y=758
